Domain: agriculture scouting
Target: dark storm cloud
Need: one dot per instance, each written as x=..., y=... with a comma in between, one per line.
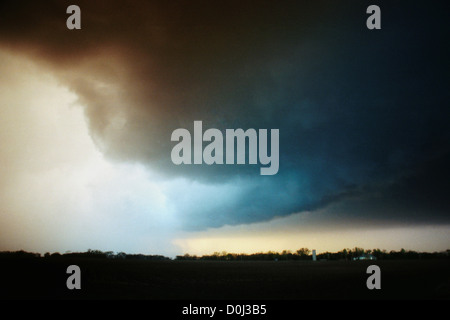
x=419, y=197
x=356, y=109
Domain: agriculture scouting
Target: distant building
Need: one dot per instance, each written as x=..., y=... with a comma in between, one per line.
x=365, y=257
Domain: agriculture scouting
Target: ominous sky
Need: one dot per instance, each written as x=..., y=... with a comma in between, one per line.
x=86, y=118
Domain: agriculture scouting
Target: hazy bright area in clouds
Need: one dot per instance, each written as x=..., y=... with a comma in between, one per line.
x=58, y=191
x=86, y=117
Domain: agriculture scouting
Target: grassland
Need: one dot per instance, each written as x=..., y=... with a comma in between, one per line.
x=223, y=280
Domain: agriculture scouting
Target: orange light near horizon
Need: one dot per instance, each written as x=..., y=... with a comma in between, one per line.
x=426, y=238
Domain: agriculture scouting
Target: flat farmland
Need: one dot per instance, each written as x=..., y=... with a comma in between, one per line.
x=223, y=280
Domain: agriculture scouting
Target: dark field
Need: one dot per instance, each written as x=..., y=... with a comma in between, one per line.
x=226, y=280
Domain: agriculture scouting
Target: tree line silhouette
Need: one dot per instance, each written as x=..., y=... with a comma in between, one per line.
x=306, y=254
x=300, y=254
x=90, y=254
